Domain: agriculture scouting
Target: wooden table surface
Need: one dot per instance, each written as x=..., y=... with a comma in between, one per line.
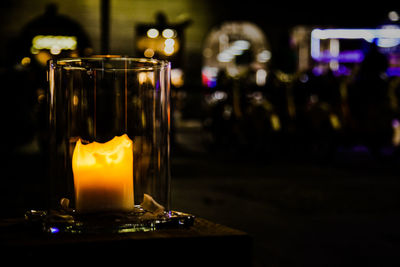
x=204, y=244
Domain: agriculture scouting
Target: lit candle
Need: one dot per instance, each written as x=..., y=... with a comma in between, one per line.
x=103, y=175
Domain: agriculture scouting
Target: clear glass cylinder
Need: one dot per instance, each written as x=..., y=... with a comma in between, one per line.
x=109, y=134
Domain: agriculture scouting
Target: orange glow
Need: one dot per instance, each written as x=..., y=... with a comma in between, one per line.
x=158, y=45
x=42, y=57
x=177, y=77
x=103, y=175
x=149, y=52
x=107, y=56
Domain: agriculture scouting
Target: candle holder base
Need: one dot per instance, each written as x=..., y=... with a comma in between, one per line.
x=61, y=221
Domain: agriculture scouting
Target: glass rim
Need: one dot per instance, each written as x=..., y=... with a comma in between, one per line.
x=147, y=63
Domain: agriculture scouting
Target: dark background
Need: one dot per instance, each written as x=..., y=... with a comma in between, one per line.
x=302, y=209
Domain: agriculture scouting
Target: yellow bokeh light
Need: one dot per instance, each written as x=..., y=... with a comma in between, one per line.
x=275, y=122
x=149, y=52
x=169, y=42
x=55, y=50
x=25, y=61
x=169, y=50
x=177, y=77
x=152, y=33
x=75, y=100
x=42, y=57
x=50, y=41
x=168, y=33
x=142, y=77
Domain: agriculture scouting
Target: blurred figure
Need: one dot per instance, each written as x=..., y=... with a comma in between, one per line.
x=369, y=104
x=48, y=36
x=165, y=40
x=394, y=96
x=24, y=116
x=235, y=72
x=318, y=116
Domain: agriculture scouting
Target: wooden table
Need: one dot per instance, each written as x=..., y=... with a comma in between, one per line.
x=204, y=244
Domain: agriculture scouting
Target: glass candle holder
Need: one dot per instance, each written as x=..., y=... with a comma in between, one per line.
x=109, y=143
